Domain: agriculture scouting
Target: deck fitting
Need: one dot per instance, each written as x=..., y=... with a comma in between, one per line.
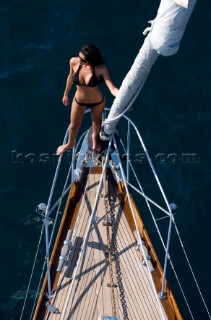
x=162, y=296
x=51, y=308
x=110, y=285
x=106, y=223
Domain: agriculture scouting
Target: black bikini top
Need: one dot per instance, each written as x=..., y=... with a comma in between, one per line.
x=93, y=82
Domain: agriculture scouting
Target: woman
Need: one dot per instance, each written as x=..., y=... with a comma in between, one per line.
x=86, y=72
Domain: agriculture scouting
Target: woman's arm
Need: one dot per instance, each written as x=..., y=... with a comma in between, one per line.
x=108, y=81
x=69, y=84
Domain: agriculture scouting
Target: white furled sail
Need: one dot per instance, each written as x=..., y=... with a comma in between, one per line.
x=164, y=38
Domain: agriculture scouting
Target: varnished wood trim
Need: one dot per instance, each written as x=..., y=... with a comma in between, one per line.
x=96, y=170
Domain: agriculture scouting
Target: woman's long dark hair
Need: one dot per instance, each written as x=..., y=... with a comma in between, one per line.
x=92, y=55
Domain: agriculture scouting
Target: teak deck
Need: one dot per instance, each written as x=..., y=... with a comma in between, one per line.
x=129, y=293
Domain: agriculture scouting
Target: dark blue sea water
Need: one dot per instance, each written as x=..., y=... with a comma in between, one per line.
x=172, y=113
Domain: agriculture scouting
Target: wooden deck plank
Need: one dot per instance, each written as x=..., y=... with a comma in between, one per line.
x=132, y=296
x=124, y=288
x=124, y=231
x=97, y=307
x=81, y=283
x=93, y=239
x=133, y=264
x=97, y=247
x=92, y=291
x=135, y=258
x=65, y=280
x=132, y=267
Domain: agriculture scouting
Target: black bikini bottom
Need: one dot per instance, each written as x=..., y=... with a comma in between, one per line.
x=89, y=105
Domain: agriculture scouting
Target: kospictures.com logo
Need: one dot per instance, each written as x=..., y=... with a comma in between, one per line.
x=139, y=158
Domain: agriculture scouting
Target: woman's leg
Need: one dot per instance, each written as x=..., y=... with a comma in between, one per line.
x=96, y=124
x=76, y=117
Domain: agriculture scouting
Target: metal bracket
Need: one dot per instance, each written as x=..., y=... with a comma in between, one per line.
x=51, y=308
x=63, y=258
x=68, y=242
x=96, y=219
x=162, y=296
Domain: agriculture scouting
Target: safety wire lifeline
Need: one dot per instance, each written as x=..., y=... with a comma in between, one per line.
x=86, y=235
x=72, y=239
x=52, y=233
x=164, y=197
x=47, y=209
x=157, y=228
x=49, y=212
x=68, y=188
x=138, y=233
x=58, y=202
x=65, y=190
x=30, y=279
x=181, y=243
x=191, y=269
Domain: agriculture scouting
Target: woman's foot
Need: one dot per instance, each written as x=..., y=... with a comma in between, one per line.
x=96, y=146
x=61, y=149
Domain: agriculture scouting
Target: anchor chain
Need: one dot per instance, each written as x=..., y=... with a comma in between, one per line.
x=114, y=256
x=111, y=255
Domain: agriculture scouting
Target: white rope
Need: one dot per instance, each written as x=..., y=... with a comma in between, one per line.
x=138, y=233
x=32, y=272
x=38, y=289
x=59, y=199
x=181, y=288
x=148, y=199
x=191, y=269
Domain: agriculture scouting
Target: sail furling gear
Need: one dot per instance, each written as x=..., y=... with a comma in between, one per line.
x=164, y=38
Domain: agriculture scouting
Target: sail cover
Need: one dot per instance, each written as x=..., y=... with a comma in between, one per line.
x=164, y=38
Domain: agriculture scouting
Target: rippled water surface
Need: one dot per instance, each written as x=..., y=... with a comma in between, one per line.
x=172, y=113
